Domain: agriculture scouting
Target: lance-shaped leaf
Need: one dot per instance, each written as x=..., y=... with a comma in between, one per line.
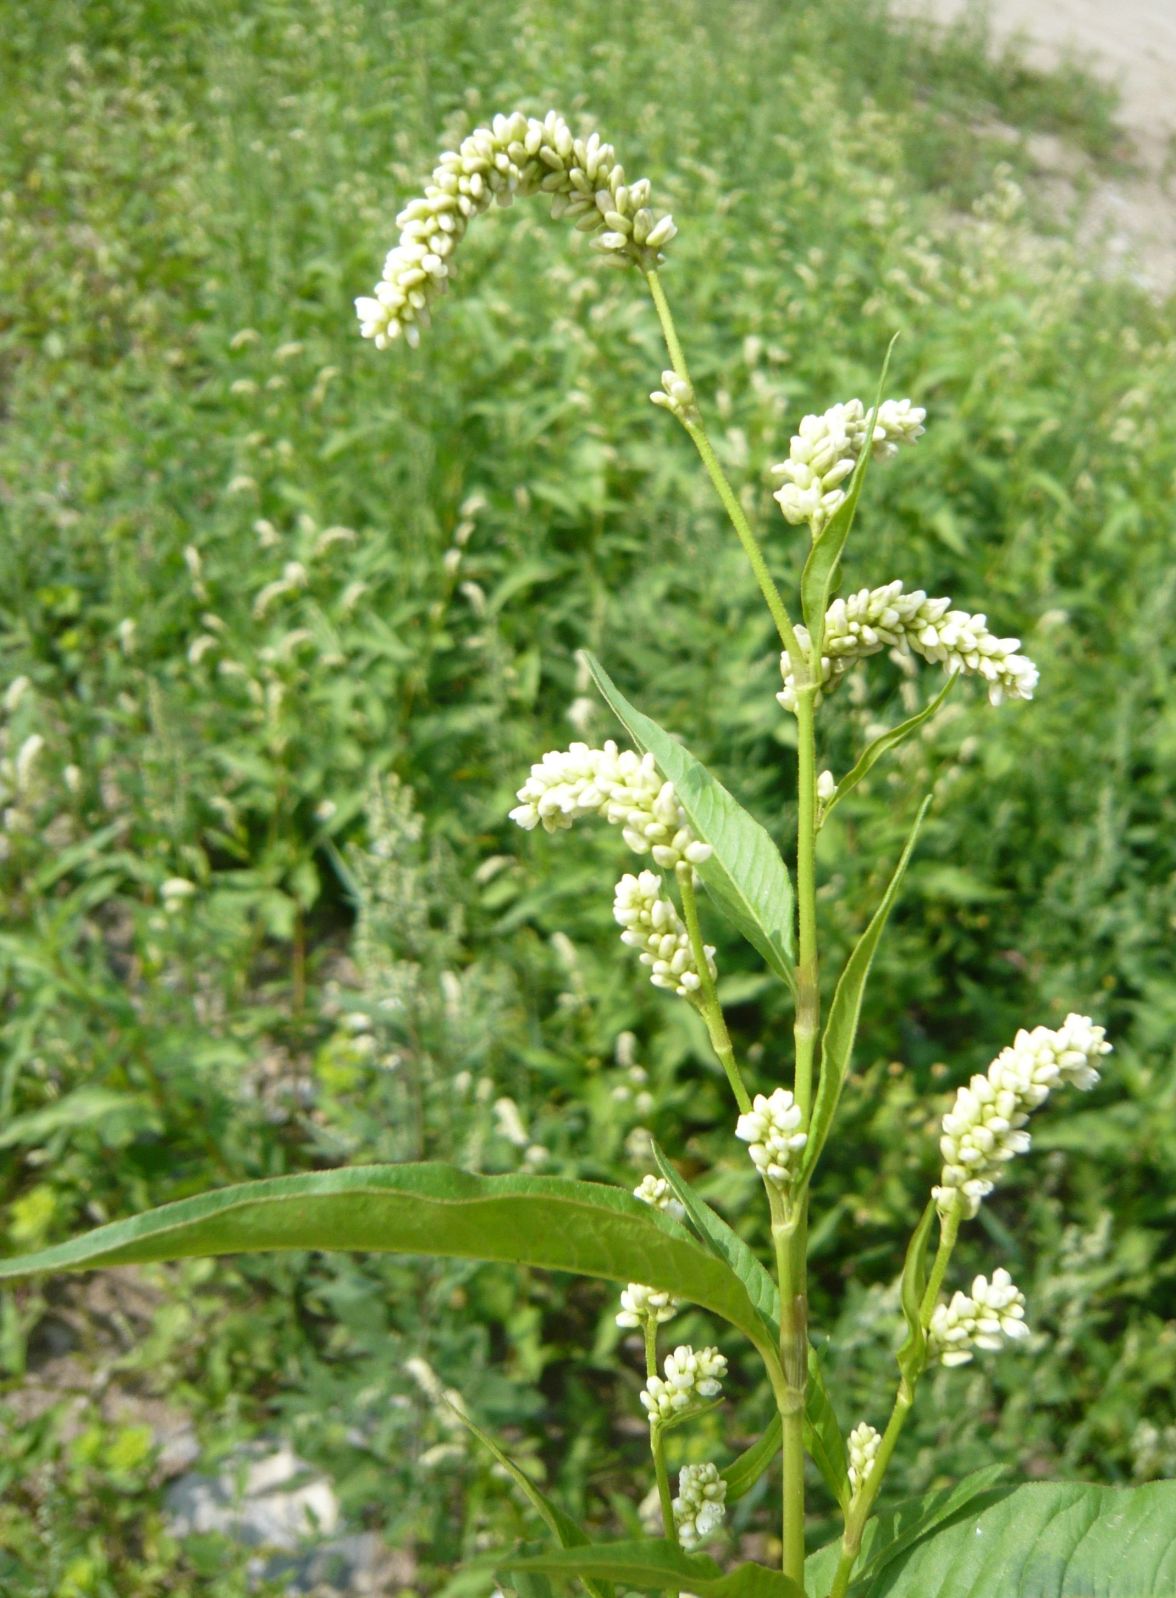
x=655, y=1564
x=884, y=743
x=745, y=875
x=840, y=1032
x=743, y=1472
x=818, y=581
x=550, y=1222
x=822, y=1433
x=561, y=1525
x=1040, y=1540
x=912, y=1355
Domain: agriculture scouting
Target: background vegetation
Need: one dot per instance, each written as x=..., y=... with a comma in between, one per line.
x=292, y=619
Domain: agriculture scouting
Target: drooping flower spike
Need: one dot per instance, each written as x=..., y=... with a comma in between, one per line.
x=700, y=1506
x=690, y=1378
x=652, y=924
x=617, y=784
x=874, y=619
x=823, y=454
x=993, y=1314
x=984, y=1128
x=515, y=154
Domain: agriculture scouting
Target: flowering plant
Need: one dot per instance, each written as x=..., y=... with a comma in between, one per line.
x=663, y=1244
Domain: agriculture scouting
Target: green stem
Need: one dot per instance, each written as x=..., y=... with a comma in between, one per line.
x=808, y=995
x=725, y=492
x=708, y=1000
x=859, y=1512
x=788, y=1240
x=655, y=1438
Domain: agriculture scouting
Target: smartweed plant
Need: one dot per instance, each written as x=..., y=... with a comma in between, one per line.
x=663, y=1243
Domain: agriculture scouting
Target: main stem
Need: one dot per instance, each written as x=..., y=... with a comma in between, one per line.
x=724, y=490
x=709, y=1006
x=789, y=1224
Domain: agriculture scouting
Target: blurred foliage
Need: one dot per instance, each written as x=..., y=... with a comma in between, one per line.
x=284, y=623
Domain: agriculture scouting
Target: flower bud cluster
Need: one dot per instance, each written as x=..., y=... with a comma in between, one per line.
x=983, y=1129
x=690, y=1377
x=700, y=1506
x=864, y=1443
x=994, y=1312
x=826, y=450
x=676, y=395
x=642, y=1305
x=516, y=154
x=657, y=1193
x=653, y=925
x=770, y=1127
x=874, y=619
x=619, y=785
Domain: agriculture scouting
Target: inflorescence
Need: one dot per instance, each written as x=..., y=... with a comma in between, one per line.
x=993, y=1314
x=652, y=924
x=864, y=1443
x=823, y=454
x=874, y=619
x=700, y=1505
x=619, y=785
x=689, y=1378
x=516, y=154
x=983, y=1130
x=770, y=1128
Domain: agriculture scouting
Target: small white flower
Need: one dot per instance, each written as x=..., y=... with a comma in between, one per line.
x=689, y=1378
x=515, y=154
x=652, y=924
x=823, y=454
x=657, y=1192
x=875, y=619
x=640, y=1305
x=175, y=893
x=994, y=1313
x=983, y=1129
x=826, y=787
x=864, y=1443
x=770, y=1128
x=700, y=1506
x=617, y=784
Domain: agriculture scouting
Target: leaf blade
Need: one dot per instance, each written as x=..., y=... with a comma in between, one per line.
x=884, y=743
x=840, y=1031
x=745, y=875
x=553, y=1223
x=660, y=1565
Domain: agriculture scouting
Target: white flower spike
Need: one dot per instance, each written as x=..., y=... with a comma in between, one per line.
x=875, y=619
x=617, y=784
x=689, y=1379
x=824, y=453
x=700, y=1506
x=652, y=924
x=516, y=154
x=983, y=1130
x=770, y=1128
x=642, y=1305
x=992, y=1315
x=864, y=1443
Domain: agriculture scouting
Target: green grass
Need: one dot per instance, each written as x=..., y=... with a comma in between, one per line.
x=190, y=197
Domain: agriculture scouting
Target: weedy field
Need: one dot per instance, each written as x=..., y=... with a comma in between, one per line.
x=285, y=623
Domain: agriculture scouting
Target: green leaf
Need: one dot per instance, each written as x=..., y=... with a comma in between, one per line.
x=724, y=1242
x=659, y=1565
x=550, y=1222
x=745, y=875
x=743, y=1472
x=840, y=1032
x=819, y=579
x=84, y=1107
x=822, y=1434
x=561, y=1526
x=885, y=742
x=1044, y=1540
x=903, y=1526
x=914, y=1285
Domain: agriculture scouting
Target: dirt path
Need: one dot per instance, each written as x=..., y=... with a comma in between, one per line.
x=1132, y=43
